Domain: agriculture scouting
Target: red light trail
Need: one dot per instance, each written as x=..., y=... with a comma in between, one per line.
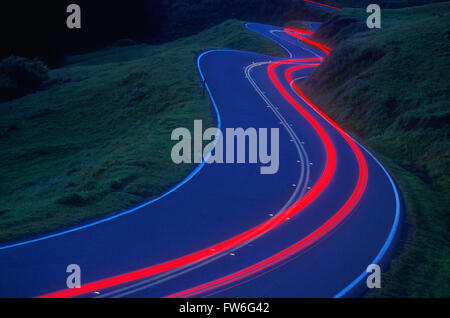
x=322, y=4
x=296, y=33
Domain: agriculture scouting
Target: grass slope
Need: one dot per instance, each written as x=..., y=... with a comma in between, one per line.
x=99, y=141
x=390, y=88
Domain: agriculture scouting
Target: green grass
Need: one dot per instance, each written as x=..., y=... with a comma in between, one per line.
x=98, y=141
x=390, y=88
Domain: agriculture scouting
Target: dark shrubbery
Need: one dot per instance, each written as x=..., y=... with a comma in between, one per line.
x=20, y=76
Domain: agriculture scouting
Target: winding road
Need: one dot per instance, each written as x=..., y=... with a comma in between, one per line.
x=309, y=230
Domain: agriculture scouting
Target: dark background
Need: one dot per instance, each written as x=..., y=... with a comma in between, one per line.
x=38, y=28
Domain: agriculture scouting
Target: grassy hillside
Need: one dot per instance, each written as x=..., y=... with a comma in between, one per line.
x=98, y=141
x=390, y=88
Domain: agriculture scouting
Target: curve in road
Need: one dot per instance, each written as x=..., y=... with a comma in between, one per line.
x=338, y=181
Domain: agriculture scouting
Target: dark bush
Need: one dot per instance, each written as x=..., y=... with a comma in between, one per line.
x=20, y=76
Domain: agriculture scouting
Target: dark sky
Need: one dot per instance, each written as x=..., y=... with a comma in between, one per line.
x=38, y=28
